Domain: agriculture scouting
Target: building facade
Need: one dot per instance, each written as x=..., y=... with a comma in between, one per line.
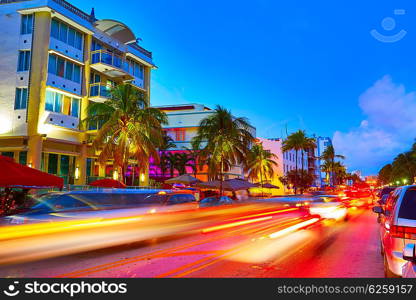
x=275, y=147
x=54, y=61
x=182, y=127
x=321, y=144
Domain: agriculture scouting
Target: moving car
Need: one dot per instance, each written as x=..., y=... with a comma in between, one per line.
x=397, y=227
x=329, y=207
x=103, y=203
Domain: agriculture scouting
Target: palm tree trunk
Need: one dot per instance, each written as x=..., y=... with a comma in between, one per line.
x=296, y=169
x=301, y=175
x=261, y=181
x=221, y=176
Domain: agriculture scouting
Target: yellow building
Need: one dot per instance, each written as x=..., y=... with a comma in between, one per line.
x=54, y=60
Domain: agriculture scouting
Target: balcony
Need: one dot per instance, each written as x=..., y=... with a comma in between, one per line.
x=111, y=64
x=99, y=92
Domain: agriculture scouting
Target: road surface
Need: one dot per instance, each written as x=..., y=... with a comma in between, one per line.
x=261, y=249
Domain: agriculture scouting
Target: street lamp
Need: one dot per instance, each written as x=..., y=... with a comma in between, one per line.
x=404, y=180
x=115, y=175
x=398, y=182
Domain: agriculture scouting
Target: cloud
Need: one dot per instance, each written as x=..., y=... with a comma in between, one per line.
x=389, y=127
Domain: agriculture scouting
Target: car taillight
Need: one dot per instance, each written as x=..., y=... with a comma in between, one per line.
x=403, y=232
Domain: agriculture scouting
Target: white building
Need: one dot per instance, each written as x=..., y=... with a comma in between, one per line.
x=289, y=158
x=182, y=127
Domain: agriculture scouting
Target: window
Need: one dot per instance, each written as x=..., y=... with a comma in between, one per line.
x=53, y=101
x=136, y=69
x=23, y=157
x=53, y=163
x=180, y=135
x=27, y=24
x=63, y=68
x=20, y=101
x=24, y=61
x=408, y=206
x=55, y=29
x=66, y=34
x=69, y=71
x=75, y=107
x=63, y=32
x=71, y=36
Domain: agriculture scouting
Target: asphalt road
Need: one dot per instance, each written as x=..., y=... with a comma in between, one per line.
x=261, y=249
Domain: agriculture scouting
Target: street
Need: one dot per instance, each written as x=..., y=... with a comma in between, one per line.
x=259, y=249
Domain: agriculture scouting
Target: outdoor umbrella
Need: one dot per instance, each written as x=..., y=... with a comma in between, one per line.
x=14, y=175
x=184, y=179
x=267, y=186
x=227, y=185
x=108, y=183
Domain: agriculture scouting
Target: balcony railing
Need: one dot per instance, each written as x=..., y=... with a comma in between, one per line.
x=100, y=90
x=110, y=59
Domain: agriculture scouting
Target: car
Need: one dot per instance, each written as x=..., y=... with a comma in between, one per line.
x=385, y=191
x=58, y=206
x=329, y=207
x=409, y=255
x=397, y=227
x=215, y=201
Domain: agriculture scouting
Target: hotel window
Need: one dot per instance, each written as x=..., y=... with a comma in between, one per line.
x=53, y=101
x=74, y=107
x=63, y=68
x=52, y=163
x=180, y=135
x=23, y=157
x=26, y=26
x=136, y=69
x=66, y=34
x=24, y=61
x=20, y=101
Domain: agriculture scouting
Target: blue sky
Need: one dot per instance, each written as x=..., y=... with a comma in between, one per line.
x=311, y=65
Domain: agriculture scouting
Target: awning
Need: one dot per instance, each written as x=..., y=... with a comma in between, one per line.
x=108, y=183
x=13, y=174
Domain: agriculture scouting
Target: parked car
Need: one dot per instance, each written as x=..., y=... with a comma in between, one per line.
x=409, y=255
x=397, y=227
x=102, y=203
x=385, y=191
x=215, y=201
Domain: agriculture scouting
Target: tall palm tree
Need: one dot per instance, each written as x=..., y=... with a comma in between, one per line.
x=227, y=141
x=260, y=163
x=167, y=143
x=329, y=155
x=131, y=129
x=298, y=141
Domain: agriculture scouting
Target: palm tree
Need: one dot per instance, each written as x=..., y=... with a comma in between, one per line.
x=167, y=143
x=183, y=160
x=329, y=155
x=131, y=129
x=260, y=162
x=227, y=141
x=327, y=168
x=298, y=141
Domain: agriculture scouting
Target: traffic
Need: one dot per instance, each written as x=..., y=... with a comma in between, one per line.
x=67, y=224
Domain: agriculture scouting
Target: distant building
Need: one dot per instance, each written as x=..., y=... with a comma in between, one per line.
x=275, y=147
x=287, y=160
x=182, y=127
x=321, y=144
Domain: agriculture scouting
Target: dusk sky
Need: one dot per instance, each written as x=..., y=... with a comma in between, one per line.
x=309, y=65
